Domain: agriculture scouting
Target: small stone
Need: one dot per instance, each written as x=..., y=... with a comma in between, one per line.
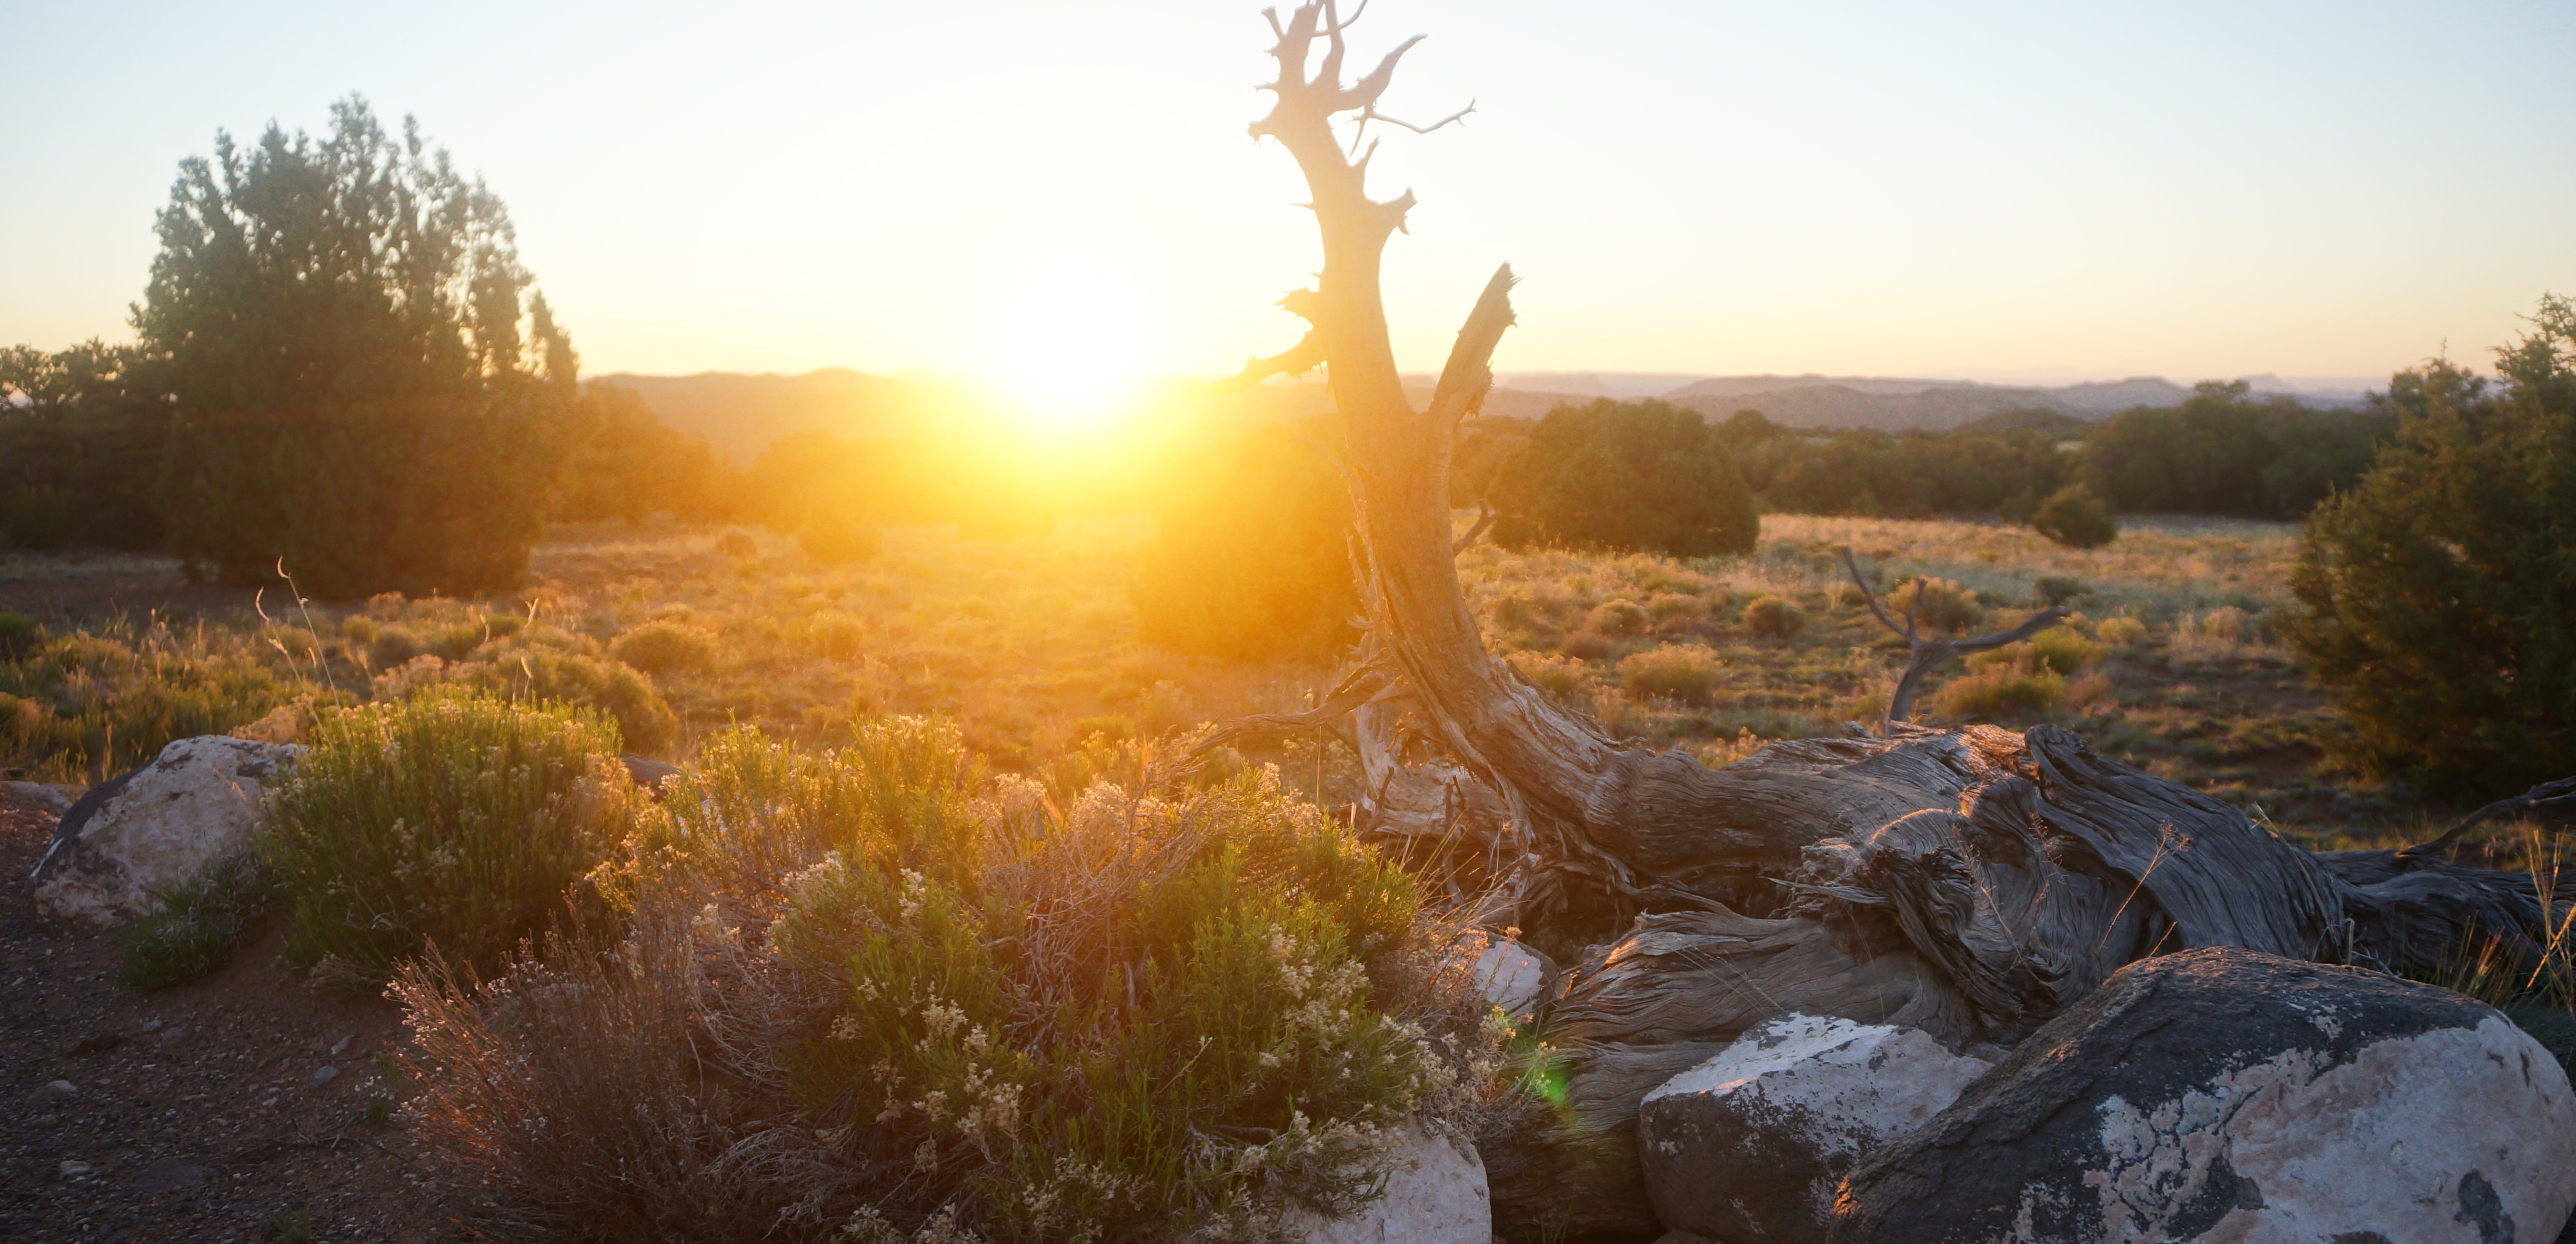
x=171, y=1175
x=54, y=1091
x=172, y=1034
x=325, y=1075
x=151, y=1025
x=71, y=1167
x=341, y=1046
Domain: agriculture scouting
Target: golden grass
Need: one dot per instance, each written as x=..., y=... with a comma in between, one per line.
x=1030, y=643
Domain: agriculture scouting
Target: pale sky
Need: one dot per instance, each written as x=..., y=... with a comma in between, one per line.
x=2040, y=191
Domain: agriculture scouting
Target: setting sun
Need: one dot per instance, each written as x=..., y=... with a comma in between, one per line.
x=1068, y=344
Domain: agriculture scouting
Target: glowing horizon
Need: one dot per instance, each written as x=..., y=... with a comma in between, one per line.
x=2023, y=193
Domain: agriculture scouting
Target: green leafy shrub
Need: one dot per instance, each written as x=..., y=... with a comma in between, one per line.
x=1682, y=673
x=1774, y=617
x=2061, y=649
x=18, y=635
x=2055, y=590
x=942, y=1000
x=540, y=674
x=2439, y=600
x=660, y=648
x=196, y=925
x=2011, y=688
x=2074, y=517
x=1620, y=618
x=86, y=704
x=1631, y=476
x=365, y=383
x=1946, y=606
x=1564, y=679
x=450, y=817
x=2122, y=630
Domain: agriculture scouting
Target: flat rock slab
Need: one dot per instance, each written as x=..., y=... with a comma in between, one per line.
x=1435, y=1194
x=148, y=829
x=1754, y=1143
x=2226, y=1094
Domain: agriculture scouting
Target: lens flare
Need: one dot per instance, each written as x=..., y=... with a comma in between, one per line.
x=1068, y=345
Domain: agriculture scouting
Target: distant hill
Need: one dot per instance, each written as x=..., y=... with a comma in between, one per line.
x=1841, y=406
x=740, y=415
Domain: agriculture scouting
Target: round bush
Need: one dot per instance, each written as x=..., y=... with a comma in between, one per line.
x=1946, y=606
x=453, y=818
x=1680, y=673
x=1774, y=617
x=1621, y=618
x=665, y=647
x=2074, y=517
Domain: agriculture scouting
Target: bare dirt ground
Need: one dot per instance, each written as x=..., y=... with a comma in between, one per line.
x=233, y=1109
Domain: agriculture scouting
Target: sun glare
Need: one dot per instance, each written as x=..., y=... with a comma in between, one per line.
x=1069, y=345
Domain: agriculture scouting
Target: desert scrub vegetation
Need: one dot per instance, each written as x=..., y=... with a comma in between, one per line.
x=80, y=705
x=450, y=819
x=1033, y=646
x=869, y=993
x=196, y=925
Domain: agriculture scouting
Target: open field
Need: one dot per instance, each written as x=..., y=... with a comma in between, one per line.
x=1030, y=643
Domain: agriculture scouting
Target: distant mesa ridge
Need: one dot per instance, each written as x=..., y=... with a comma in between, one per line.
x=741, y=414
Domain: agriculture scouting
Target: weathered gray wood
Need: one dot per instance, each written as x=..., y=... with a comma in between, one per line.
x=1972, y=882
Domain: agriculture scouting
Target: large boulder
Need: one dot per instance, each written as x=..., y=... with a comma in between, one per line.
x=1435, y=1194
x=2225, y=1094
x=1752, y=1144
x=148, y=829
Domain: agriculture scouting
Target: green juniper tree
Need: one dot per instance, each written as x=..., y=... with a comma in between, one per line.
x=366, y=384
x=1642, y=476
x=2440, y=591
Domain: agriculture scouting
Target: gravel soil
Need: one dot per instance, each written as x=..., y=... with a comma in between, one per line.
x=235, y=1108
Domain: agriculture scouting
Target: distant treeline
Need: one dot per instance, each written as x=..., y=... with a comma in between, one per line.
x=88, y=456
x=2220, y=452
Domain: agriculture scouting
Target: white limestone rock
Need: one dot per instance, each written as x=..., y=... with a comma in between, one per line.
x=149, y=828
x=2228, y=1095
x=1751, y=1144
x=1435, y=1194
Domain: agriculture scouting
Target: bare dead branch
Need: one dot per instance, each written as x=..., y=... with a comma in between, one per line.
x=1922, y=657
x=1484, y=519
x=1469, y=373
x=2549, y=800
x=1370, y=113
x=1365, y=683
x=1305, y=356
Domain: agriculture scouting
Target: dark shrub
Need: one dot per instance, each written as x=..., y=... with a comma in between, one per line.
x=2439, y=598
x=1630, y=476
x=2074, y=517
x=365, y=383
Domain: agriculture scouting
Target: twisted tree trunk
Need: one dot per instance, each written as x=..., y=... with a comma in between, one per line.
x=1972, y=882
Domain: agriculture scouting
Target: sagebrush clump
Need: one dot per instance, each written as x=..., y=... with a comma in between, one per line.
x=451, y=818
x=1166, y=1012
